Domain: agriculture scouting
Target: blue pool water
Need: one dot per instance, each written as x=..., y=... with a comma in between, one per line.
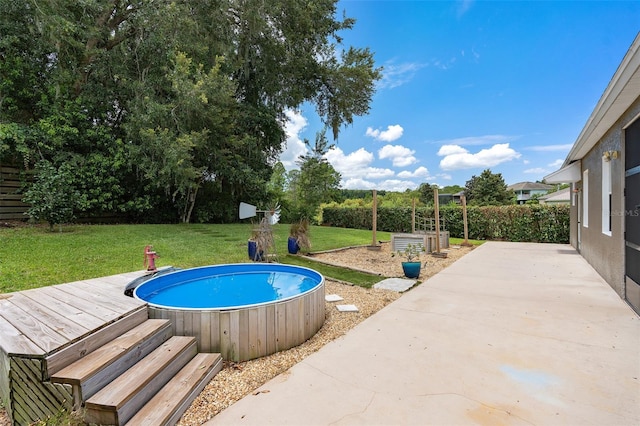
x=228, y=286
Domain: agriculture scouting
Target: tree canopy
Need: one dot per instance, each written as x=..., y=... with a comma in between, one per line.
x=170, y=110
x=488, y=189
x=316, y=182
x=426, y=192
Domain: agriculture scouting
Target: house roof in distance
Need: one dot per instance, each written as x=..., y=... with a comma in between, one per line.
x=528, y=186
x=559, y=196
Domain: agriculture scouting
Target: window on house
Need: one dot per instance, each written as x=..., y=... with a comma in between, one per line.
x=606, y=196
x=585, y=198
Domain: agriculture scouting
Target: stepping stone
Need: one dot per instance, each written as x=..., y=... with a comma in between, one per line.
x=332, y=298
x=347, y=308
x=396, y=284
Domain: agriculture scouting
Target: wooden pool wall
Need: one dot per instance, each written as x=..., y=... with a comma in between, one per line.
x=252, y=332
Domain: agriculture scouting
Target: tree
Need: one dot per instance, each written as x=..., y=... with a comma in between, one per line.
x=287, y=53
x=426, y=192
x=535, y=199
x=50, y=115
x=317, y=181
x=451, y=189
x=557, y=187
x=180, y=140
x=488, y=189
x=52, y=196
x=171, y=108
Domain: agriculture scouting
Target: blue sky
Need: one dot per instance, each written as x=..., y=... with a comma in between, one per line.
x=470, y=85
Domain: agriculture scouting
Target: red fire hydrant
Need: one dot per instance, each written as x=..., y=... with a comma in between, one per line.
x=150, y=257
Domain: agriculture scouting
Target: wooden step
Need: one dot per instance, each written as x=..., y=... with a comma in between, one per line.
x=124, y=396
x=58, y=360
x=97, y=369
x=168, y=405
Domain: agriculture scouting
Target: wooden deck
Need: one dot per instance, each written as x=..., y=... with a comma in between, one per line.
x=42, y=330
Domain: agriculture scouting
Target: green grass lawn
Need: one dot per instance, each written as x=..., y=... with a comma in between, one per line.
x=343, y=274
x=34, y=257
x=457, y=241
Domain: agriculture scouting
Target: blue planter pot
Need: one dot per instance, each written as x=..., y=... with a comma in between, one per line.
x=292, y=245
x=252, y=249
x=411, y=269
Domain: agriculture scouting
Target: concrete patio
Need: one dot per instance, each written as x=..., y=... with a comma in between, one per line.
x=513, y=334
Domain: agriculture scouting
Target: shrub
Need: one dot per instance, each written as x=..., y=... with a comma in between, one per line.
x=527, y=223
x=52, y=196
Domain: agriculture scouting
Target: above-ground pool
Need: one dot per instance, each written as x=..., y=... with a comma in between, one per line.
x=243, y=311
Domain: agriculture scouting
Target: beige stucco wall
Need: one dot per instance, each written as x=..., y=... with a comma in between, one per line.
x=605, y=253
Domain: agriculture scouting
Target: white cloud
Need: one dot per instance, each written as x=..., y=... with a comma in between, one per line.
x=536, y=171
x=357, y=173
x=543, y=171
x=295, y=147
x=396, y=185
x=451, y=150
x=355, y=161
x=373, y=133
x=396, y=75
x=386, y=185
x=445, y=176
x=356, y=165
x=463, y=159
x=420, y=172
x=545, y=148
x=357, y=183
x=392, y=133
x=556, y=164
x=525, y=162
x=399, y=155
x=478, y=140
x=444, y=65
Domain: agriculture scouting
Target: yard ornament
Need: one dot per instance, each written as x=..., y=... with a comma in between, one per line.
x=150, y=257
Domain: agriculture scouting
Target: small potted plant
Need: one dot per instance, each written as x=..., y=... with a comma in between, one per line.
x=255, y=253
x=299, y=237
x=261, y=242
x=411, y=265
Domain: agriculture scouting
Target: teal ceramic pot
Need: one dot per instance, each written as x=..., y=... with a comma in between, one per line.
x=411, y=269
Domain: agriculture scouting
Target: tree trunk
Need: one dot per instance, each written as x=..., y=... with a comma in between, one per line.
x=189, y=207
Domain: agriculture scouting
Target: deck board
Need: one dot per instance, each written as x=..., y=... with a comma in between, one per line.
x=116, y=281
x=95, y=294
x=38, y=309
x=15, y=342
x=39, y=333
x=72, y=301
x=116, y=291
x=69, y=312
x=99, y=304
x=41, y=321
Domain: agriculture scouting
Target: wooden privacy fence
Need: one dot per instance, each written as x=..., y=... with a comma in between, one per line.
x=12, y=180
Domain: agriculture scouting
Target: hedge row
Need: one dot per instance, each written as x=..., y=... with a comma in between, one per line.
x=529, y=222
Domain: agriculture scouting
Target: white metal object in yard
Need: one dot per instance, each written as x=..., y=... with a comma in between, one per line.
x=247, y=210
